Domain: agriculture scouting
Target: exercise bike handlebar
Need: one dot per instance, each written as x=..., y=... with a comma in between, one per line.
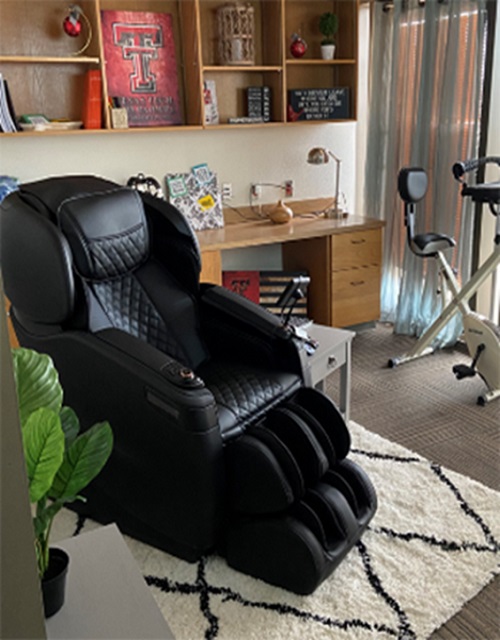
x=461, y=168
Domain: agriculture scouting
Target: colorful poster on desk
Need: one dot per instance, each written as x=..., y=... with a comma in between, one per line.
x=141, y=67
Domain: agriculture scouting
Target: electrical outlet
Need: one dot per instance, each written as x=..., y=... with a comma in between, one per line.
x=256, y=190
x=227, y=191
x=289, y=188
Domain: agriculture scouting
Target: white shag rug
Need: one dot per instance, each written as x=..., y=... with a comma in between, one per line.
x=432, y=546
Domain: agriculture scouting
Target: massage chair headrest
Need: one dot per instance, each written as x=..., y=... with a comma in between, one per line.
x=107, y=232
x=37, y=258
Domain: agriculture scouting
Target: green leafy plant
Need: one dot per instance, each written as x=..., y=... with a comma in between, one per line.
x=328, y=26
x=60, y=462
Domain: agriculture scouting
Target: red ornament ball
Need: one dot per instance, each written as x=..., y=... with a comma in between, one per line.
x=298, y=46
x=72, y=26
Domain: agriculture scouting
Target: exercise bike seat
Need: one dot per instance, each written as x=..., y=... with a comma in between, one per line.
x=412, y=187
x=487, y=192
x=426, y=245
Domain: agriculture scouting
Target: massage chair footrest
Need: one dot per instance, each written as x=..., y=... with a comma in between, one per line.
x=284, y=552
x=273, y=464
x=299, y=548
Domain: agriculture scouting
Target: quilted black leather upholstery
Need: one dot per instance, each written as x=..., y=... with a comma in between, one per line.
x=243, y=393
x=105, y=246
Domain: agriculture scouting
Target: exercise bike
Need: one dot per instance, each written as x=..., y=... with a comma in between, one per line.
x=481, y=335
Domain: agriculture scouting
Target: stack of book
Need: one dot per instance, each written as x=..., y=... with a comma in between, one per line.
x=8, y=122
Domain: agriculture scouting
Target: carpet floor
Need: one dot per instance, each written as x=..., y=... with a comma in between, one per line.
x=422, y=406
x=432, y=546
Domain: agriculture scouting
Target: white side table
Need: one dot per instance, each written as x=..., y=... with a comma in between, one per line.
x=106, y=595
x=333, y=352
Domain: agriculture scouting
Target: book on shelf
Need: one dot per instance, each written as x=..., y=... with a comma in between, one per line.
x=259, y=103
x=246, y=120
x=141, y=66
x=92, y=100
x=210, y=102
x=8, y=120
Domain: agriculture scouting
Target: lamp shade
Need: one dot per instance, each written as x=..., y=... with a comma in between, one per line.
x=318, y=155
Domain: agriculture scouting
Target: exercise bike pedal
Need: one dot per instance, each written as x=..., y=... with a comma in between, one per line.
x=463, y=371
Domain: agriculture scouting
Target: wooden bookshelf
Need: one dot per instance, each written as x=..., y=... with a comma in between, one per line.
x=45, y=76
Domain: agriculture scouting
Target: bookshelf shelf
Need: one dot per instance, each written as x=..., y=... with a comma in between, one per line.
x=313, y=62
x=243, y=69
x=51, y=59
x=54, y=84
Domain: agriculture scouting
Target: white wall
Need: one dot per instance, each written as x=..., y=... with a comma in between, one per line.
x=239, y=157
x=271, y=154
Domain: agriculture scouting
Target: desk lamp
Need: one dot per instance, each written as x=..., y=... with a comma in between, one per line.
x=320, y=155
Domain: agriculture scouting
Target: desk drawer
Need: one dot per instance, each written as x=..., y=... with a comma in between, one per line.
x=355, y=296
x=327, y=361
x=356, y=249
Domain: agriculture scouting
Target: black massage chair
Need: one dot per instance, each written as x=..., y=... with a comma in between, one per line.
x=220, y=445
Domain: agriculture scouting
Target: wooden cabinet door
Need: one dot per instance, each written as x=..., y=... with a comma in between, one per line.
x=355, y=277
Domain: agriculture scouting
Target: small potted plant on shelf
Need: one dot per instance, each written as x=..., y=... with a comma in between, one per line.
x=328, y=26
x=60, y=462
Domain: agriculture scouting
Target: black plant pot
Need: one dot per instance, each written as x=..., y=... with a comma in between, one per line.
x=54, y=581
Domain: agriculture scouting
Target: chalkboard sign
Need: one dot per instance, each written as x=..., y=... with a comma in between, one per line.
x=318, y=104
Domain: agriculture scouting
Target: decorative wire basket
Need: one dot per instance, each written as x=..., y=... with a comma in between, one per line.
x=235, y=29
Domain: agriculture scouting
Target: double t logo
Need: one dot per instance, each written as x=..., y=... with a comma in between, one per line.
x=139, y=43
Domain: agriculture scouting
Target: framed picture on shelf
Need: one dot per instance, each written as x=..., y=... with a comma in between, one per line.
x=318, y=104
x=141, y=66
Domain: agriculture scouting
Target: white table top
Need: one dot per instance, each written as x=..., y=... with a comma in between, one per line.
x=106, y=595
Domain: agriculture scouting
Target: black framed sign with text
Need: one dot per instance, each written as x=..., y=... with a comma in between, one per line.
x=318, y=104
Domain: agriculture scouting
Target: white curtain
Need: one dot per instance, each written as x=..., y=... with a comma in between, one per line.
x=427, y=72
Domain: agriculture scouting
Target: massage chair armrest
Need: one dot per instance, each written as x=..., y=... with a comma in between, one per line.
x=147, y=355
x=168, y=384
x=242, y=310
x=238, y=328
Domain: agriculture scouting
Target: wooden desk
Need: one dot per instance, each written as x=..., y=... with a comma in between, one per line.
x=343, y=258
